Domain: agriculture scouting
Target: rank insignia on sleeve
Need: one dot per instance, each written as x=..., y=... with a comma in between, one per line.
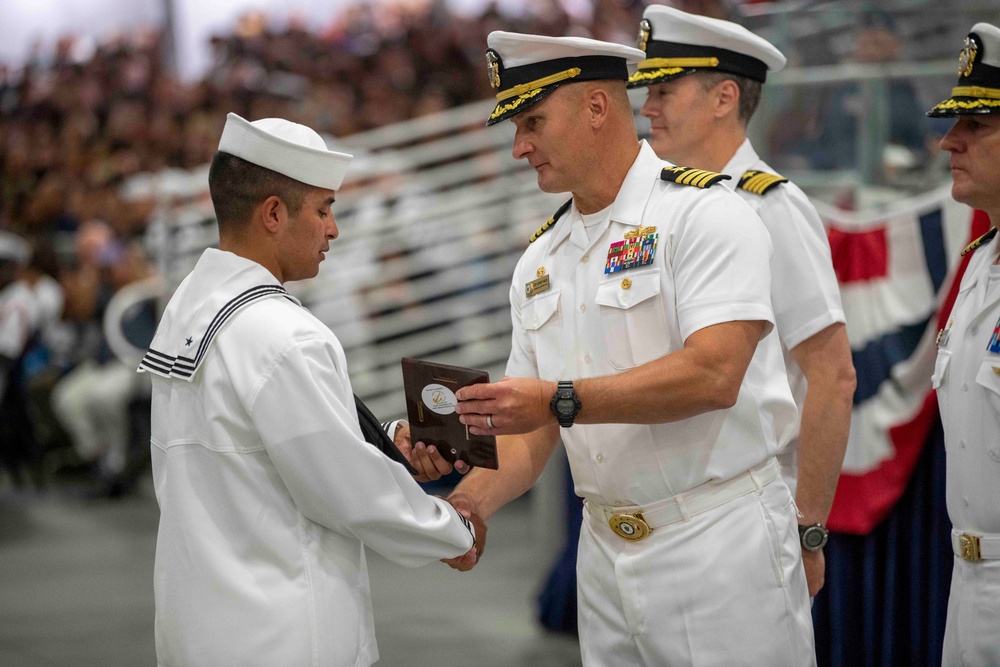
x=637, y=249
x=696, y=177
x=760, y=182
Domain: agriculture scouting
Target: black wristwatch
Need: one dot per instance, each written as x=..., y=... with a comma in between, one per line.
x=565, y=403
x=813, y=537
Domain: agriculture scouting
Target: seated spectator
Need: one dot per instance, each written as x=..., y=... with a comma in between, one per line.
x=18, y=323
x=92, y=400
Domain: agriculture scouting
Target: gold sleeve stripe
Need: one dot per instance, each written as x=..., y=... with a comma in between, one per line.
x=760, y=182
x=703, y=180
x=538, y=83
x=688, y=176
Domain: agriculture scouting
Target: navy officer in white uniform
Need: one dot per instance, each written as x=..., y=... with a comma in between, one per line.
x=267, y=491
x=641, y=337
x=704, y=79
x=967, y=371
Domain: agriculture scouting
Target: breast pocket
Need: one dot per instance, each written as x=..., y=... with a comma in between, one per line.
x=940, y=368
x=541, y=320
x=633, y=320
x=988, y=378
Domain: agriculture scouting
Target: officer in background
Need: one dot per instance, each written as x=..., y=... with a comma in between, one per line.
x=967, y=371
x=704, y=79
x=641, y=315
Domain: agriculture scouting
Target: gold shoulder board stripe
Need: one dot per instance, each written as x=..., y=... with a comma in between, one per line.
x=699, y=178
x=551, y=221
x=985, y=238
x=760, y=182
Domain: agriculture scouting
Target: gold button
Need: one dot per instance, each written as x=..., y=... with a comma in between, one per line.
x=996, y=370
x=540, y=271
x=626, y=283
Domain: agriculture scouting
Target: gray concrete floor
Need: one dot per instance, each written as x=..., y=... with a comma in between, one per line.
x=76, y=589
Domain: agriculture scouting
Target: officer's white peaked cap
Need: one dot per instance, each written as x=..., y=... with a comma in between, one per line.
x=524, y=69
x=677, y=43
x=978, y=89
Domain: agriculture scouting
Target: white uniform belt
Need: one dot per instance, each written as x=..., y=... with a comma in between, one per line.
x=684, y=505
x=975, y=546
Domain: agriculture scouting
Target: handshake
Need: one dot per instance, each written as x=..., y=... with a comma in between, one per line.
x=430, y=466
x=464, y=505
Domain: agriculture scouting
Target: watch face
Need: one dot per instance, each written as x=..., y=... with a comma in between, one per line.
x=565, y=406
x=813, y=538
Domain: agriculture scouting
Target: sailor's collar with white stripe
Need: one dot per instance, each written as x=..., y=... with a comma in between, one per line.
x=221, y=285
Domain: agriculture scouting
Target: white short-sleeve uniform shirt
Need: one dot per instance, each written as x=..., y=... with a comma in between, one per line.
x=967, y=380
x=804, y=290
x=710, y=266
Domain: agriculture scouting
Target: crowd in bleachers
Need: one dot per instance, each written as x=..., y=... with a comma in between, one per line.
x=78, y=123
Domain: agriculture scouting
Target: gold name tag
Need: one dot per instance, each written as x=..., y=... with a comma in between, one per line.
x=536, y=286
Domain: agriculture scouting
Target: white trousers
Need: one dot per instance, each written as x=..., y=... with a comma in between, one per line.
x=725, y=588
x=972, y=632
x=91, y=402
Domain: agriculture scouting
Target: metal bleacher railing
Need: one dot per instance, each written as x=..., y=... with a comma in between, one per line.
x=433, y=217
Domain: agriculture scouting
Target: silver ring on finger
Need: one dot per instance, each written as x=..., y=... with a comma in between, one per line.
x=489, y=421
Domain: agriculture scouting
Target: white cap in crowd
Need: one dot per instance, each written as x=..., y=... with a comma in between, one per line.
x=288, y=148
x=524, y=69
x=13, y=248
x=677, y=43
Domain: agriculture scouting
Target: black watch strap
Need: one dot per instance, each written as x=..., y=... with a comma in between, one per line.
x=565, y=404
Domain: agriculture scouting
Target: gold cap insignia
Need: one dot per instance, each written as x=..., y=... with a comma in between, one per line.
x=644, y=31
x=493, y=67
x=967, y=57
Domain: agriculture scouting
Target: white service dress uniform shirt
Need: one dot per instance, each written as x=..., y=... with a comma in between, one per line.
x=726, y=586
x=267, y=491
x=967, y=380
x=804, y=290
